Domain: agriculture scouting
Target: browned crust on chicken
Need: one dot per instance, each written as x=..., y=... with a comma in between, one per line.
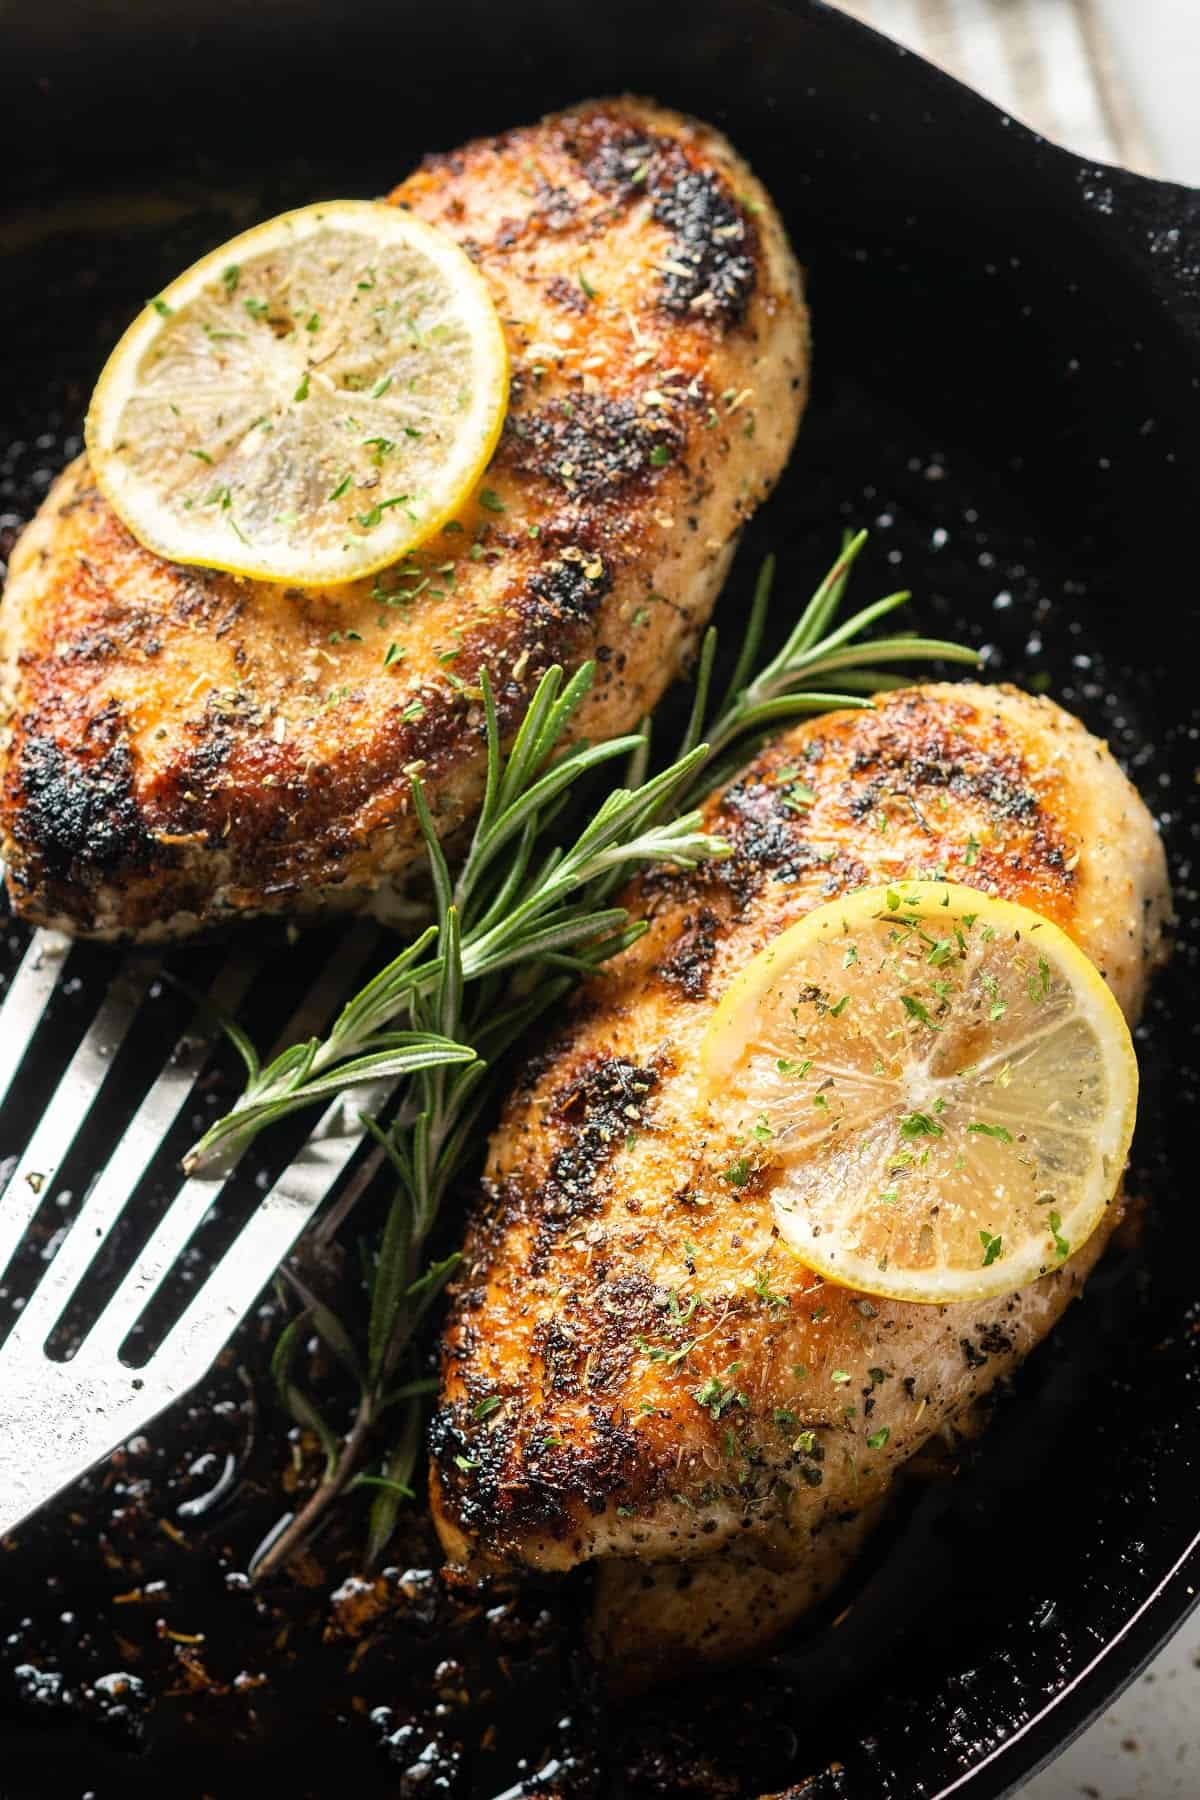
x=186, y=746
x=634, y=1367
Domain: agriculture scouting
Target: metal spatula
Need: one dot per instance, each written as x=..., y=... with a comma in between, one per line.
x=58, y=1418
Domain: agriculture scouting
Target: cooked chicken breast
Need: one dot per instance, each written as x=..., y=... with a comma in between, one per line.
x=620, y=1382
x=186, y=746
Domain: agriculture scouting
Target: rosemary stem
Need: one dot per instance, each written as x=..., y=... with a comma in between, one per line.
x=295, y=1536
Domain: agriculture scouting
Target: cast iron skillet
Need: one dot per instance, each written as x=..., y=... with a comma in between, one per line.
x=1008, y=352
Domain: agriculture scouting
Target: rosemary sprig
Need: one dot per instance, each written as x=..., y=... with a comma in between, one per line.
x=512, y=931
x=511, y=934
x=518, y=900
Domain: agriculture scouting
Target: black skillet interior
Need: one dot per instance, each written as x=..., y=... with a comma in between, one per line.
x=1008, y=347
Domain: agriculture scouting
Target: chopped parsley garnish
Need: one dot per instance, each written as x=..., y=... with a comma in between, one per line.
x=161, y=308
x=916, y=1009
x=258, y=309
x=586, y=285
x=484, y=1408
x=839, y=1007
x=393, y=654
x=717, y=1398
x=682, y=1313
x=1062, y=1248
x=230, y=276
x=919, y=1124
x=879, y=1438
x=660, y=455
x=762, y=1287
x=787, y=1066
x=972, y=851
x=738, y=1172
x=374, y=513
x=993, y=1131
x=490, y=498
x=840, y=1378
x=991, y=988
x=342, y=486
x=663, y=1353
x=992, y=1247
x=301, y=392
x=1039, y=984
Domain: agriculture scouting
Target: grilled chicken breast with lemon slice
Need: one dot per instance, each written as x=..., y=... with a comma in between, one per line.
x=636, y=1371
x=186, y=746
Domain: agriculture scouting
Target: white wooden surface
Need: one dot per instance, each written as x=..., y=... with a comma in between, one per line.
x=1156, y=46
x=1053, y=63
x=1118, y=81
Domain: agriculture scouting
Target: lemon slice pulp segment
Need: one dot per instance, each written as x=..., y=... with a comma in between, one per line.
x=939, y=1083
x=306, y=403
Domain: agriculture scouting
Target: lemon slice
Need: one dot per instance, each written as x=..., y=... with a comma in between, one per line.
x=939, y=1084
x=307, y=403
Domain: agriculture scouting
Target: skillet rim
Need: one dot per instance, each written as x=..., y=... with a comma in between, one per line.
x=1164, y=1609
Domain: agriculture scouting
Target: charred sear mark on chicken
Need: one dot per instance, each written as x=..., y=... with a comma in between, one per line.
x=714, y=252
x=766, y=835
x=598, y=1110
x=570, y=588
x=561, y=291
x=512, y=1466
x=591, y=447
x=941, y=763
x=769, y=843
x=687, y=968
x=518, y=1482
x=79, y=813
